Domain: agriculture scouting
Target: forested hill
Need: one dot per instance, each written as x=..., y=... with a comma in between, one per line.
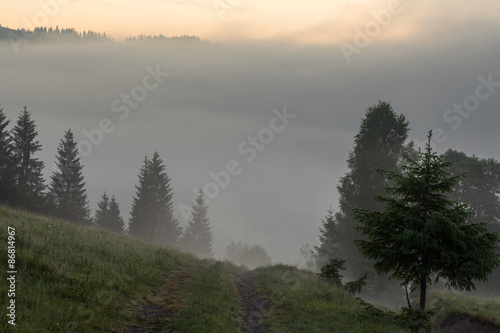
x=4, y=32
x=44, y=34
x=51, y=34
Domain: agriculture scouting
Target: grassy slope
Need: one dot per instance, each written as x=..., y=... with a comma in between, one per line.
x=79, y=279
x=306, y=304
x=448, y=303
x=72, y=278
x=210, y=301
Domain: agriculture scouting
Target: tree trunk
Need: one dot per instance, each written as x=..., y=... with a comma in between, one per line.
x=26, y=176
x=423, y=291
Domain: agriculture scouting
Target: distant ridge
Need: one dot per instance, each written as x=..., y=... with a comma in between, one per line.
x=51, y=34
x=4, y=32
x=44, y=34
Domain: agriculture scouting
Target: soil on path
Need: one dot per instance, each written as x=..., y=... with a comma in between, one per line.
x=256, y=310
x=157, y=315
x=464, y=323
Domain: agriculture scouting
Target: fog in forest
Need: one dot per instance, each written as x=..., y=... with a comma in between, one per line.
x=272, y=121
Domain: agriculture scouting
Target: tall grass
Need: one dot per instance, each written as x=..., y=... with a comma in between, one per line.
x=210, y=301
x=305, y=304
x=448, y=303
x=77, y=279
x=73, y=278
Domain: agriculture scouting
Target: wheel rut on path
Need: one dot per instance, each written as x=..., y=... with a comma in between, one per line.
x=157, y=315
x=256, y=310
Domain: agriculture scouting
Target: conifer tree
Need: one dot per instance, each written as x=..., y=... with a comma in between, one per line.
x=28, y=177
x=198, y=235
x=6, y=167
x=67, y=188
x=378, y=144
x=102, y=212
x=141, y=218
x=329, y=239
x=116, y=222
x=108, y=214
x=422, y=234
x=152, y=209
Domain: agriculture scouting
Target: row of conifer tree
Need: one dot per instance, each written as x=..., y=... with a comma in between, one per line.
x=22, y=185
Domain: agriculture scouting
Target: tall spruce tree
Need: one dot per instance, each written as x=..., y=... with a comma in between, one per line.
x=28, y=177
x=102, y=211
x=67, y=188
x=198, y=237
x=329, y=239
x=7, y=189
x=141, y=217
x=379, y=144
x=108, y=214
x=152, y=209
x=116, y=222
x=422, y=234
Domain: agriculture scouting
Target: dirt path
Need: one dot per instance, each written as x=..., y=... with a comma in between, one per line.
x=156, y=316
x=255, y=309
x=464, y=323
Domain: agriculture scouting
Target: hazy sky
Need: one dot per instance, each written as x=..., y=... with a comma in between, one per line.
x=425, y=58
x=315, y=21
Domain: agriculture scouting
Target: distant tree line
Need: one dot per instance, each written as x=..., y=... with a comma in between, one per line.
x=163, y=38
x=71, y=34
x=55, y=34
x=246, y=255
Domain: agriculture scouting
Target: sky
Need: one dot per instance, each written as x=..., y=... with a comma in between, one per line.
x=323, y=62
x=305, y=22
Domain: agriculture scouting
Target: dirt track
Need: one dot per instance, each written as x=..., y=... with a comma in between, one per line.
x=255, y=309
x=463, y=323
x=155, y=316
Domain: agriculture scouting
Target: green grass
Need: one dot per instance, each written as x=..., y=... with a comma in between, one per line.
x=449, y=303
x=210, y=301
x=72, y=278
x=306, y=304
x=77, y=279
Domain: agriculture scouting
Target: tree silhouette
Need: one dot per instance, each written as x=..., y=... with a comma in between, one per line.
x=152, y=209
x=329, y=239
x=378, y=144
x=7, y=185
x=198, y=235
x=102, y=211
x=27, y=168
x=67, y=188
x=108, y=214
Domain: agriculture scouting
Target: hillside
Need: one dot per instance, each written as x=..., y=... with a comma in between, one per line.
x=4, y=32
x=76, y=279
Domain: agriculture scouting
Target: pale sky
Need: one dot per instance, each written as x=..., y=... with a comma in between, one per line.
x=311, y=22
